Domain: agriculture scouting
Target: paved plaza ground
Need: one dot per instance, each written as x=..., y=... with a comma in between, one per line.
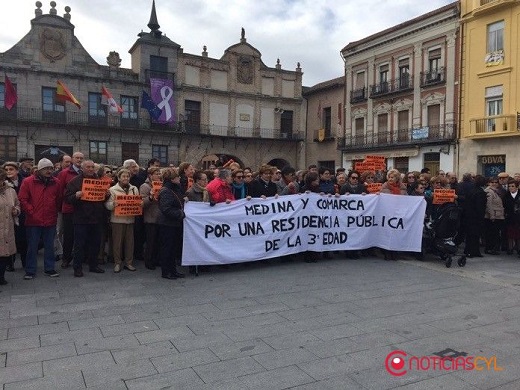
x=275, y=325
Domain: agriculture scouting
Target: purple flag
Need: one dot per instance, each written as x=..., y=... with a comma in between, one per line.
x=162, y=95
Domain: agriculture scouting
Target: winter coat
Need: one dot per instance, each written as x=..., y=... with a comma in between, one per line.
x=40, y=200
x=386, y=188
x=110, y=203
x=197, y=194
x=512, y=208
x=494, y=205
x=349, y=188
x=259, y=188
x=65, y=176
x=171, y=205
x=8, y=200
x=151, y=210
x=85, y=212
x=219, y=190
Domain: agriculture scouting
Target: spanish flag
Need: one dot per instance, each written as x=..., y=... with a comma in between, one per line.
x=63, y=95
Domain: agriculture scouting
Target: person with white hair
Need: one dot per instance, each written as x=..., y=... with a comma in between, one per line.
x=41, y=198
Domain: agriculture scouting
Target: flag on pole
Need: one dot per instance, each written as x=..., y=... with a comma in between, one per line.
x=113, y=107
x=10, y=96
x=147, y=102
x=63, y=95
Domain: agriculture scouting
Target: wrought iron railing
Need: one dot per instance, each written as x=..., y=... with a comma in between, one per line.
x=433, y=77
x=358, y=95
x=401, y=84
x=75, y=119
x=401, y=137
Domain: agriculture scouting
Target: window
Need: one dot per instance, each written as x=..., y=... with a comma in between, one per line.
x=53, y=111
x=494, y=96
x=159, y=64
x=286, y=124
x=404, y=73
x=382, y=128
x=191, y=116
x=98, y=151
x=434, y=121
x=8, y=147
x=96, y=110
x=327, y=121
x=130, y=105
x=160, y=152
x=402, y=125
x=383, y=78
x=434, y=60
x=495, y=36
x=360, y=80
x=359, y=136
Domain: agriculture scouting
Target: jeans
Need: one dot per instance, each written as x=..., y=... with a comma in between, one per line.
x=34, y=233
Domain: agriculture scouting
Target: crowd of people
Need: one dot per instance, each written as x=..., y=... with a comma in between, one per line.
x=43, y=206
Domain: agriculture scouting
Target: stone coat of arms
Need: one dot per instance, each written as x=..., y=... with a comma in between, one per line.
x=52, y=44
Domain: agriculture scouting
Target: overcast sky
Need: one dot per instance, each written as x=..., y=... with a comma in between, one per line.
x=311, y=32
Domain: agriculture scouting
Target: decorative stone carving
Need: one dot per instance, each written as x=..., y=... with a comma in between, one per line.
x=52, y=44
x=113, y=59
x=245, y=70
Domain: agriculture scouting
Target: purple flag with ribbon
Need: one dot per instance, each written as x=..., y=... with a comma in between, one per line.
x=162, y=95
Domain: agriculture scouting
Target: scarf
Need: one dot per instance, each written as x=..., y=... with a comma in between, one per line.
x=241, y=188
x=394, y=188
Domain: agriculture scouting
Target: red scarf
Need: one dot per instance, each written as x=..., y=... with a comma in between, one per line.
x=395, y=188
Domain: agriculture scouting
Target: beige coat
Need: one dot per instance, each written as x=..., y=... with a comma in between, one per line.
x=494, y=205
x=8, y=200
x=109, y=204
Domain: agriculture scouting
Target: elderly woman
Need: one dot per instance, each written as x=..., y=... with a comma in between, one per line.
x=393, y=184
x=9, y=211
x=288, y=185
x=14, y=179
x=353, y=184
x=494, y=218
x=171, y=206
x=198, y=192
x=151, y=215
x=122, y=226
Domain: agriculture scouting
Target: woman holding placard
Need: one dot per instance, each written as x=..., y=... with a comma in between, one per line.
x=122, y=218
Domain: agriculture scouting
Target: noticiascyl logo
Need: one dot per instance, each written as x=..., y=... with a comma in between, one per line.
x=395, y=363
x=398, y=363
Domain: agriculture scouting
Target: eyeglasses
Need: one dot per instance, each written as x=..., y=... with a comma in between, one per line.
x=370, y=177
x=354, y=177
x=107, y=172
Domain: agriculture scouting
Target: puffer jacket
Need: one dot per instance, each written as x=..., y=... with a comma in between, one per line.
x=109, y=204
x=40, y=200
x=494, y=205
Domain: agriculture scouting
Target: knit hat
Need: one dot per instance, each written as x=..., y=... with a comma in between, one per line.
x=44, y=163
x=10, y=164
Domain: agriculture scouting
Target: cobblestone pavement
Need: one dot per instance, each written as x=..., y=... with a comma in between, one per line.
x=269, y=325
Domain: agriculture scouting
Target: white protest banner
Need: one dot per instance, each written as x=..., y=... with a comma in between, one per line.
x=259, y=229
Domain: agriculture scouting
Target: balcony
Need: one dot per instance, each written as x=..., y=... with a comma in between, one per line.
x=358, y=95
x=392, y=87
x=73, y=120
x=433, y=77
x=494, y=126
x=428, y=135
x=155, y=74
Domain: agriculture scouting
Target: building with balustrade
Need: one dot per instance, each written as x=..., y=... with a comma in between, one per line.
x=401, y=97
x=490, y=88
x=234, y=106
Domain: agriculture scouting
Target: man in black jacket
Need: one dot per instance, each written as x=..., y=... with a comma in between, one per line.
x=87, y=219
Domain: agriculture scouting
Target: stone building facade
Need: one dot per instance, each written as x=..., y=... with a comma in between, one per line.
x=229, y=107
x=401, y=97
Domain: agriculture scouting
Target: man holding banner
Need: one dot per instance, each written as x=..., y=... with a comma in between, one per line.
x=87, y=194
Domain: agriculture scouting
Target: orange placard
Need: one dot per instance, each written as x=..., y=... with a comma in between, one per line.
x=107, y=181
x=156, y=187
x=373, y=188
x=375, y=159
x=442, y=195
x=128, y=205
x=93, y=190
x=364, y=166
